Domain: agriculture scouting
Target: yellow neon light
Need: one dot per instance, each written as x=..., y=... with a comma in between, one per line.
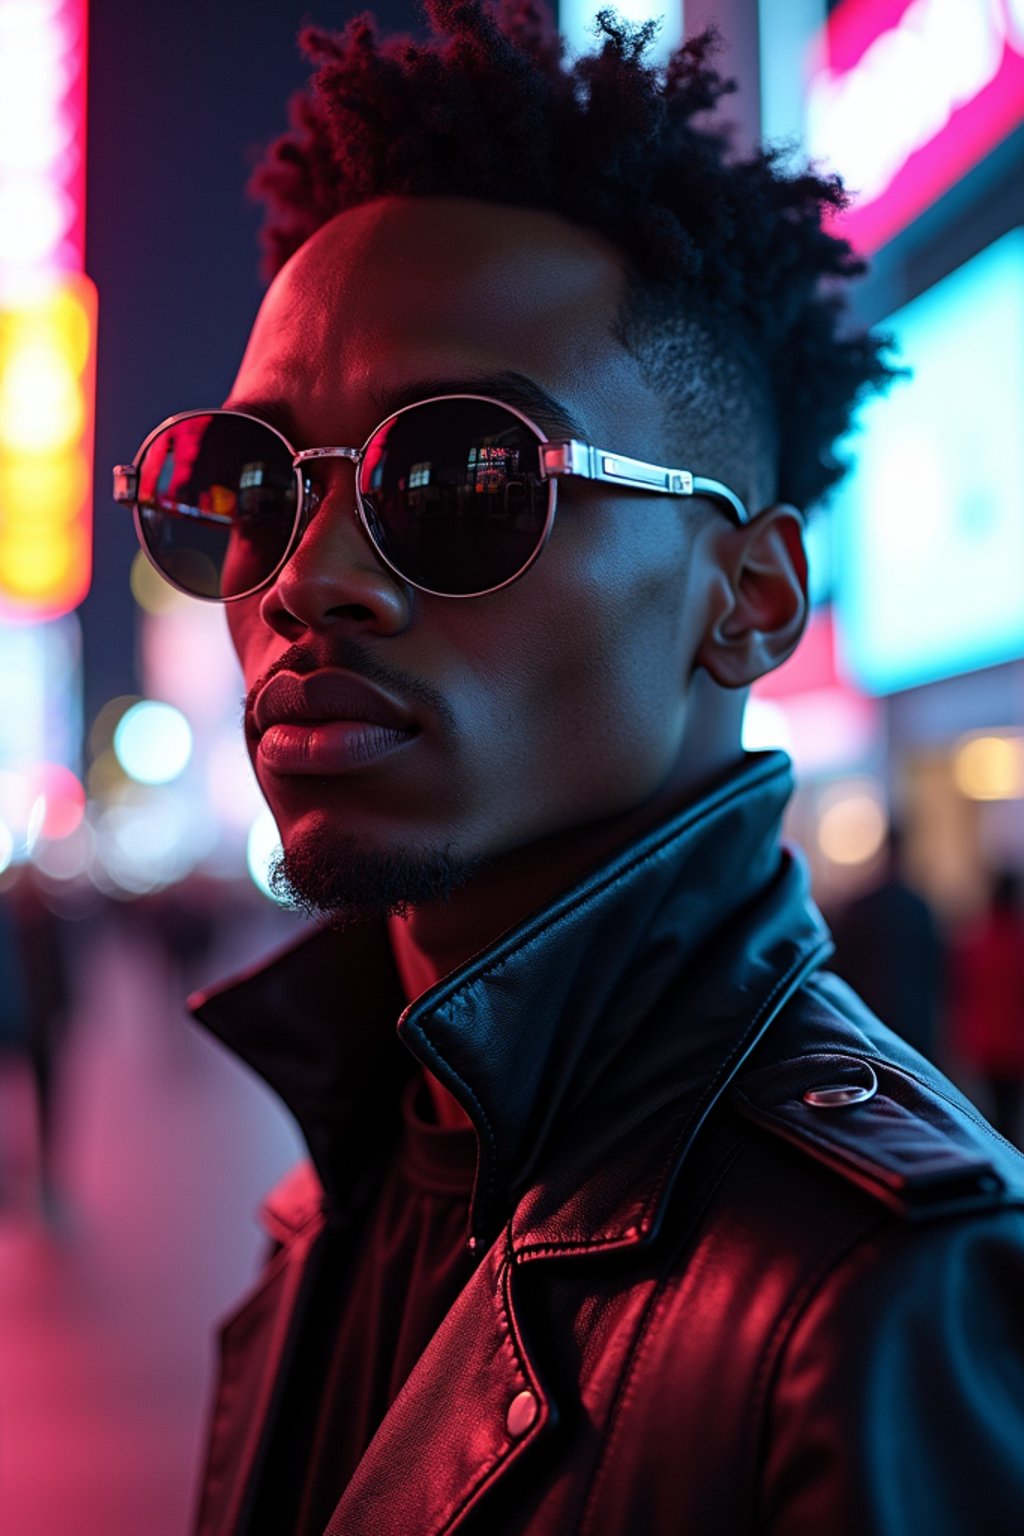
x=47, y=367
x=34, y=568
x=41, y=404
x=30, y=480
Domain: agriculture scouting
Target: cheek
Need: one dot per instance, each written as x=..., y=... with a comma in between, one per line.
x=587, y=692
x=243, y=628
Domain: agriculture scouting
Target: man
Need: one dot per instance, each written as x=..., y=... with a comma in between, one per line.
x=639, y=1222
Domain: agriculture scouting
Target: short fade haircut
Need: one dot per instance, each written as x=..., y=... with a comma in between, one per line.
x=734, y=303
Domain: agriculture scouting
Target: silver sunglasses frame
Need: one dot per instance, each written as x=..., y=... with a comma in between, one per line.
x=558, y=458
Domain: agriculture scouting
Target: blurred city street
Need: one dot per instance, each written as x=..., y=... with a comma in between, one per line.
x=107, y=1308
x=138, y=848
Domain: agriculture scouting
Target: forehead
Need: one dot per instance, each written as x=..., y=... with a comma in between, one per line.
x=402, y=289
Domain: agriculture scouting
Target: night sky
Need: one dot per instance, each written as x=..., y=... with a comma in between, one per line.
x=182, y=98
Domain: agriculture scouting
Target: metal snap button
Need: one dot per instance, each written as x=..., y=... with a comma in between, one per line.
x=522, y=1411
x=842, y=1095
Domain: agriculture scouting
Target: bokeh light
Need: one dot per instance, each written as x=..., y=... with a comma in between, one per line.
x=101, y=733
x=148, y=839
x=68, y=857
x=17, y=797
x=153, y=742
x=233, y=792
x=262, y=848
x=853, y=822
x=990, y=766
x=765, y=727
x=62, y=797
x=150, y=591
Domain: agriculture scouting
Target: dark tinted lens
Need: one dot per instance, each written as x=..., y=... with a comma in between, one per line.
x=453, y=495
x=217, y=496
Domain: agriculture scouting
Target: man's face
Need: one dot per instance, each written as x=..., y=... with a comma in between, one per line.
x=557, y=701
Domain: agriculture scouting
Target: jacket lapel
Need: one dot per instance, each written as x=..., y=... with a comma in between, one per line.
x=252, y=1346
x=471, y=1410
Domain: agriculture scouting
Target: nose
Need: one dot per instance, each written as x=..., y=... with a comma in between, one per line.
x=334, y=576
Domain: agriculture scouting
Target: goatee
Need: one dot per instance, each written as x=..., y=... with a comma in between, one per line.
x=336, y=879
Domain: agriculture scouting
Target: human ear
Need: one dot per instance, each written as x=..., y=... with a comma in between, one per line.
x=759, y=602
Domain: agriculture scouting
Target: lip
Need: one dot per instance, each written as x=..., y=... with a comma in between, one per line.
x=329, y=721
x=329, y=694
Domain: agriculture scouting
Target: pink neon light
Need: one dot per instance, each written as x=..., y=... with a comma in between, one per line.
x=853, y=27
x=46, y=168
x=74, y=19
x=811, y=668
x=971, y=132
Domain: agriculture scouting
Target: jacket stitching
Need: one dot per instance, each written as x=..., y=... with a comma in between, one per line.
x=503, y=1298
x=539, y=1250
x=756, y=1432
x=627, y=1380
x=874, y=1167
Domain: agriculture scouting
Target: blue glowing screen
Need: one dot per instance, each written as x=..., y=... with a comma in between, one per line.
x=929, y=525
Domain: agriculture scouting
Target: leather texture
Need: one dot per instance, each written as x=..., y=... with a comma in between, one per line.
x=730, y=1310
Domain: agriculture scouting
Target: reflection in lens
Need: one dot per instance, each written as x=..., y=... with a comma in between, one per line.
x=453, y=495
x=217, y=501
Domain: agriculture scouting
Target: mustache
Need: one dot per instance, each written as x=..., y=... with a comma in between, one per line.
x=353, y=657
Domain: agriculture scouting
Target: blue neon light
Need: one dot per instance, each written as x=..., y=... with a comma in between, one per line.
x=929, y=526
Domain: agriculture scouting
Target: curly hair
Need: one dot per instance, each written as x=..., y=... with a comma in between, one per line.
x=735, y=301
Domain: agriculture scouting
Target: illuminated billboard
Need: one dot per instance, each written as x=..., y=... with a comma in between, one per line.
x=929, y=526
x=905, y=96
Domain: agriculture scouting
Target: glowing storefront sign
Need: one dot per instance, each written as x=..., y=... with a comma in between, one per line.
x=47, y=312
x=929, y=526
x=810, y=710
x=904, y=98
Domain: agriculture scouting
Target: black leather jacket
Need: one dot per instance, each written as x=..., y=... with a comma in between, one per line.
x=746, y=1263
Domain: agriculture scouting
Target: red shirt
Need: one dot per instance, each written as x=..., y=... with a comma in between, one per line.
x=988, y=990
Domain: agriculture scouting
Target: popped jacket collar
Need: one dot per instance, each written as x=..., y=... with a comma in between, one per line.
x=625, y=1004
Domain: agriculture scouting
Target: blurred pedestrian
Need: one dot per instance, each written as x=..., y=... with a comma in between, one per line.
x=36, y=977
x=889, y=948
x=987, y=1015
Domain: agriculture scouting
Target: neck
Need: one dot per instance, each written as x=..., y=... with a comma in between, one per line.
x=432, y=941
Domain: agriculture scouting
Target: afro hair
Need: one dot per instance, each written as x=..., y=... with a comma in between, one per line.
x=736, y=286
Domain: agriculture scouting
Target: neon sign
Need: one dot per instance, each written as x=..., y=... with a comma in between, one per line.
x=928, y=525
x=47, y=312
x=904, y=98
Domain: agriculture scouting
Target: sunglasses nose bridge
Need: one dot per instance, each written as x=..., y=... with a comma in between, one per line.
x=312, y=495
x=308, y=454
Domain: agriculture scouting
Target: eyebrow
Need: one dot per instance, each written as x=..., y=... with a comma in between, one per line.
x=511, y=388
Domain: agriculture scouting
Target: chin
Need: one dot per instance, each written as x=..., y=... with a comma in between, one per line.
x=331, y=872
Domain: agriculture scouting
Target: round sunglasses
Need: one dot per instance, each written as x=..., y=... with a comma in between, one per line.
x=456, y=494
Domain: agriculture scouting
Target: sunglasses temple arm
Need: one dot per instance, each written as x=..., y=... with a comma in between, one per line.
x=126, y=483
x=571, y=457
x=126, y=491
